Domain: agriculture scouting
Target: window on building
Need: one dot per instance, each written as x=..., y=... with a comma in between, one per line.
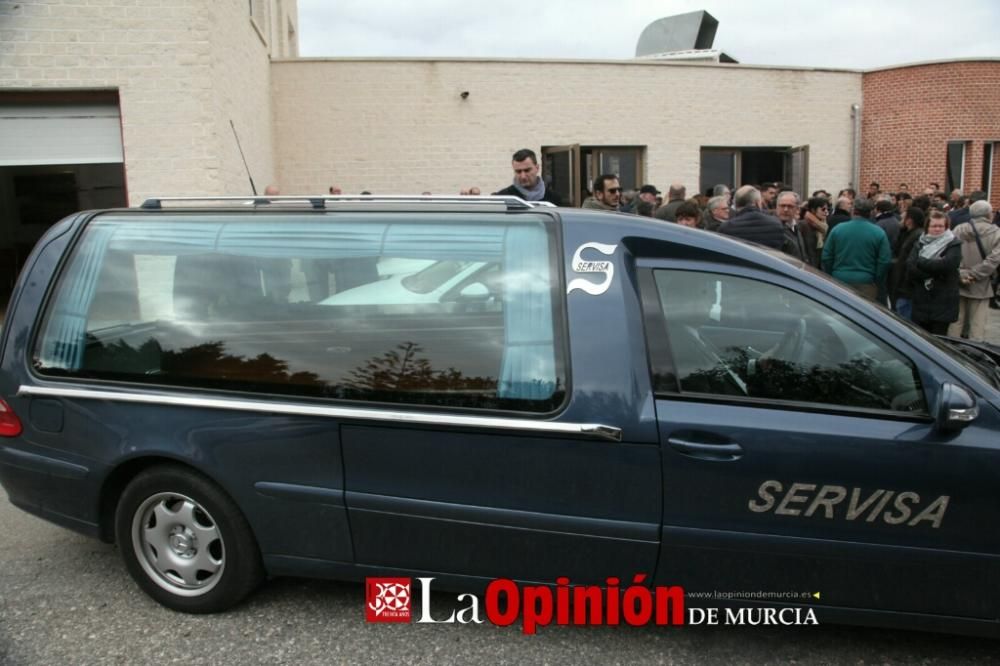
x=988, y=152
x=751, y=166
x=624, y=162
x=739, y=338
x=447, y=313
x=956, y=165
x=570, y=170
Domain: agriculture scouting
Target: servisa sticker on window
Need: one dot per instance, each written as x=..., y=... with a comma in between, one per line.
x=388, y=600
x=580, y=265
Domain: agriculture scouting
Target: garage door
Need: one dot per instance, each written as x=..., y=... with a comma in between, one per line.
x=32, y=134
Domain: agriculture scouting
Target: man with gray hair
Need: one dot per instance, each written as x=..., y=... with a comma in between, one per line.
x=675, y=197
x=962, y=214
x=750, y=223
x=980, y=258
x=716, y=212
x=841, y=213
x=723, y=191
x=796, y=243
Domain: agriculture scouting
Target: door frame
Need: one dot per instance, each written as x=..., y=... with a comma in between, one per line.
x=574, y=169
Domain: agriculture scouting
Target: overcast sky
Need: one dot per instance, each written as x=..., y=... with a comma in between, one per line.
x=851, y=34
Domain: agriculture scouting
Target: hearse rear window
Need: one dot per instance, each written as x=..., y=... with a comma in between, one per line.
x=421, y=309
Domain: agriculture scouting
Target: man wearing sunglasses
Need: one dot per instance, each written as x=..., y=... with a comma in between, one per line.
x=607, y=194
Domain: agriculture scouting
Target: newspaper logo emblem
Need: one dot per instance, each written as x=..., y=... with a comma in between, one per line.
x=388, y=599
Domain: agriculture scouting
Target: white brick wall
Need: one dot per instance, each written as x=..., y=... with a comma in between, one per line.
x=400, y=126
x=241, y=93
x=182, y=68
x=185, y=68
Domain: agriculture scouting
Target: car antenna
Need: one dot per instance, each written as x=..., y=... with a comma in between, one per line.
x=245, y=165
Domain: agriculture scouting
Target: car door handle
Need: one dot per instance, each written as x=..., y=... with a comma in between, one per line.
x=706, y=450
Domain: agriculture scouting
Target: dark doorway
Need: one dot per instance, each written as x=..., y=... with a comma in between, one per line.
x=762, y=166
x=752, y=166
x=33, y=198
x=60, y=152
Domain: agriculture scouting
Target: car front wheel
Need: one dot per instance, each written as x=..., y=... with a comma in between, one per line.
x=185, y=542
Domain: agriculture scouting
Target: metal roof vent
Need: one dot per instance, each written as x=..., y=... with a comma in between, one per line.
x=694, y=31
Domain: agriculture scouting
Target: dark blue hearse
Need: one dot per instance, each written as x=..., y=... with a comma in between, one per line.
x=479, y=388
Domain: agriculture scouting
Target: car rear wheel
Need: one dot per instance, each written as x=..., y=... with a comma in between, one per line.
x=185, y=542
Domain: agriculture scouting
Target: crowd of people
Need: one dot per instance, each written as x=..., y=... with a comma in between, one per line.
x=932, y=257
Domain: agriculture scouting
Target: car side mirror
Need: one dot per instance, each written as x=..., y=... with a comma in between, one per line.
x=956, y=408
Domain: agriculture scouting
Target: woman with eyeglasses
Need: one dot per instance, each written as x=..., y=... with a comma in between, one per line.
x=932, y=270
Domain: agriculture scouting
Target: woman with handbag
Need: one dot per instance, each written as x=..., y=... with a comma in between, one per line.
x=980, y=258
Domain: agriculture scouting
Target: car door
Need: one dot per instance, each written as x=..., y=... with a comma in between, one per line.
x=800, y=458
x=516, y=478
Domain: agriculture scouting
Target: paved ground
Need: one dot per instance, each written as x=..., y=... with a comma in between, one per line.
x=66, y=599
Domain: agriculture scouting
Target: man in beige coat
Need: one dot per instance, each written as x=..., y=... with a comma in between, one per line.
x=976, y=271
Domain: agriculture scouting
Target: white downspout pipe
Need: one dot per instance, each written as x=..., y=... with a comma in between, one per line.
x=855, y=146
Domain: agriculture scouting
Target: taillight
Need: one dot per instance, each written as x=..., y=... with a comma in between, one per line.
x=10, y=425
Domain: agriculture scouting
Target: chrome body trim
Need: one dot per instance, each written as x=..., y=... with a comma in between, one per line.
x=595, y=430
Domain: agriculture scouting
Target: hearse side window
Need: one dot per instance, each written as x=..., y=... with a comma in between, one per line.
x=416, y=308
x=743, y=338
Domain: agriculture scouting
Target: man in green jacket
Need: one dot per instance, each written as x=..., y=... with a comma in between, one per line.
x=857, y=252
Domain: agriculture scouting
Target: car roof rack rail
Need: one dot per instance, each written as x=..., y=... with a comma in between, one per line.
x=353, y=201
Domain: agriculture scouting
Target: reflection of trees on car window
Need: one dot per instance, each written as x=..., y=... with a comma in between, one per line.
x=404, y=369
x=393, y=376
x=773, y=343
x=860, y=382
x=201, y=362
x=854, y=383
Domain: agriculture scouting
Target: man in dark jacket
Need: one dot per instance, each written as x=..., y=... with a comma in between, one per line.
x=886, y=218
x=768, y=195
x=961, y=215
x=842, y=213
x=528, y=184
x=668, y=211
x=796, y=243
x=750, y=223
x=900, y=288
x=716, y=213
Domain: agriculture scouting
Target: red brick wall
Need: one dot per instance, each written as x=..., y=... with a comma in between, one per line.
x=909, y=114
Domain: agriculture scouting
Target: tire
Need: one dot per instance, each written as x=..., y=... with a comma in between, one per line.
x=185, y=542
